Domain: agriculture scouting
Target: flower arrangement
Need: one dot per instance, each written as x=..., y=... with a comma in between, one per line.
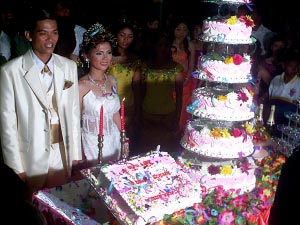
x=236, y=59
x=230, y=207
x=247, y=20
x=241, y=95
x=260, y=133
x=235, y=132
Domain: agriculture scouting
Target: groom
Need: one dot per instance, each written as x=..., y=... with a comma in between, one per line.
x=39, y=103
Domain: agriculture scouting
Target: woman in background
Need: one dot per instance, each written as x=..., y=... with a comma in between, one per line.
x=162, y=78
x=125, y=67
x=183, y=52
x=199, y=48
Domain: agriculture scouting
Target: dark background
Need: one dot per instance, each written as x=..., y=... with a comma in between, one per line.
x=275, y=14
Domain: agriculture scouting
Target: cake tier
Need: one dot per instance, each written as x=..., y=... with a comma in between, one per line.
x=235, y=174
x=232, y=30
x=151, y=186
x=221, y=103
x=229, y=1
x=230, y=69
x=218, y=141
x=235, y=1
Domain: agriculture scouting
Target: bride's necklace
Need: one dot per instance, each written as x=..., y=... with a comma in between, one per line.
x=101, y=86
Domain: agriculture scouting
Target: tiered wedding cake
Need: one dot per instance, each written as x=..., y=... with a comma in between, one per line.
x=218, y=141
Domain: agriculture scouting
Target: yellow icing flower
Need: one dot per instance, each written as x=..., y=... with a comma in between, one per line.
x=215, y=133
x=225, y=133
x=228, y=60
x=222, y=98
x=249, y=129
x=251, y=93
x=188, y=164
x=267, y=192
x=265, y=178
x=232, y=20
x=226, y=170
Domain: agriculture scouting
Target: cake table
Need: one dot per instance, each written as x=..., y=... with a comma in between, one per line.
x=217, y=206
x=71, y=204
x=77, y=203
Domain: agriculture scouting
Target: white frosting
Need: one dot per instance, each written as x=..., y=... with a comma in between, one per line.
x=235, y=178
x=151, y=186
x=219, y=71
x=220, y=31
x=221, y=147
x=230, y=1
x=236, y=1
x=231, y=107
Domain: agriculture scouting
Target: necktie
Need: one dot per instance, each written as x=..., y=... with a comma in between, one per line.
x=47, y=70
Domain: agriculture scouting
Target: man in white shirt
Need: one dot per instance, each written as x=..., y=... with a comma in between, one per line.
x=63, y=8
x=285, y=88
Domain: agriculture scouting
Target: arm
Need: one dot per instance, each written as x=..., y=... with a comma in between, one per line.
x=191, y=60
x=264, y=82
x=271, y=86
x=178, y=92
x=9, y=124
x=264, y=74
x=82, y=92
x=76, y=128
x=137, y=91
x=117, y=119
x=116, y=116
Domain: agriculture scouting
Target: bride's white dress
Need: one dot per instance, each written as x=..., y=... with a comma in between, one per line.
x=90, y=127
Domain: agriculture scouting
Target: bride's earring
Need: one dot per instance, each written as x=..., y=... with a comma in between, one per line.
x=87, y=62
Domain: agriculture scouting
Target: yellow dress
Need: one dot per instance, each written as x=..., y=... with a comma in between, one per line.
x=159, y=109
x=160, y=85
x=124, y=74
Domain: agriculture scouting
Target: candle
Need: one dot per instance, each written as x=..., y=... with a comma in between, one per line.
x=101, y=121
x=122, y=115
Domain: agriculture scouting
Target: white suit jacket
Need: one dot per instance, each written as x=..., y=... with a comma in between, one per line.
x=24, y=119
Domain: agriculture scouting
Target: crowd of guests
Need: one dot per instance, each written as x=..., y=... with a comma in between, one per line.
x=57, y=76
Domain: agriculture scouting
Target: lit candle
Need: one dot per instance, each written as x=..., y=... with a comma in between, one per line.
x=101, y=121
x=122, y=115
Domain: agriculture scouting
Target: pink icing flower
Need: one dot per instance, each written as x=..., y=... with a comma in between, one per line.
x=242, y=96
x=236, y=132
x=247, y=20
x=241, y=154
x=245, y=167
x=237, y=59
x=213, y=170
x=227, y=218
